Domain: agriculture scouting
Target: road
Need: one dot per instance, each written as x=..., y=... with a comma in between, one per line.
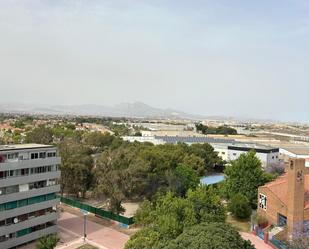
x=71, y=228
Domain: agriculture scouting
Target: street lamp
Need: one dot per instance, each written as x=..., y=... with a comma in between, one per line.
x=85, y=221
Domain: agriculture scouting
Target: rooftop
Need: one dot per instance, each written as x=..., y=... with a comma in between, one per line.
x=298, y=150
x=23, y=146
x=191, y=139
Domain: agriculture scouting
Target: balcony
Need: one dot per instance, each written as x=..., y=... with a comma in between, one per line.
x=29, y=194
x=27, y=238
x=25, y=209
x=29, y=163
x=28, y=223
x=22, y=179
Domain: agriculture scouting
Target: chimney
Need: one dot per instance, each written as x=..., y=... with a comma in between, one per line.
x=296, y=192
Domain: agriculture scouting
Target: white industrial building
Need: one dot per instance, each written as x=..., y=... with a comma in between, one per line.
x=295, y=152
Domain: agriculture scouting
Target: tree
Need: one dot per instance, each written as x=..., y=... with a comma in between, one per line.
x=207, y=204
x=239, y=206
x=187, y=179
x=40, y=135
x=244, y=176
x=300, y=242
x=99, y=140
x=209, y=236
x=47, y=242
x=208, y=155
x=76, y=167
x=120, y=174
x=168, y=215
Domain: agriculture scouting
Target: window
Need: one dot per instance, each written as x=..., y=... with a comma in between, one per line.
x=51, y=154
x=263, y=201
x=282, y=220
x=234, y=154
x=34, y=155
x=11, y=205
x=13, y=156
x=42, y=154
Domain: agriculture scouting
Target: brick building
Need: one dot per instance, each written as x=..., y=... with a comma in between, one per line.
x=285, y=201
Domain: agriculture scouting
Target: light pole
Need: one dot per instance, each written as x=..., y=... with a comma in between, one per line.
x=85, y=221
x=85, y=232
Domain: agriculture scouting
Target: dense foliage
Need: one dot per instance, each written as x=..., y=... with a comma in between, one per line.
x=168, y=215
x=47, y=242
x=221, y=130
x=239, y=206
x=209, y=236
x=244, y=176
x=138, y=170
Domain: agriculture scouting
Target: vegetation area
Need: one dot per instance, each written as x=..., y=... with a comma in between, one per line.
x=108, y=168
x=87, y=246
x=221, y=130
x=199, y=217
x=47, y=242
x=176, y=211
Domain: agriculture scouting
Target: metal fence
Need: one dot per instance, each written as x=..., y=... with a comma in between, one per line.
x=278, y=244
x=98, y=211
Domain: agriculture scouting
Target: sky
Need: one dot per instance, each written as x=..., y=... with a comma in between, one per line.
x=212, y=57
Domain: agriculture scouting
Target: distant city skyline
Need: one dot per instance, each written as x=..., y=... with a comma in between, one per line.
x=227, y=58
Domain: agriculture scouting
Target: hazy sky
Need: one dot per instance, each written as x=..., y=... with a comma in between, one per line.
x=246, y=58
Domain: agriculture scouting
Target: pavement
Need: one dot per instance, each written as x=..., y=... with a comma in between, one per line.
x=71, y=232
x=256, y=241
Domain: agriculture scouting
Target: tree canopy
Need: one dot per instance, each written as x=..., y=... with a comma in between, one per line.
x=209, y=236
x=244, y=176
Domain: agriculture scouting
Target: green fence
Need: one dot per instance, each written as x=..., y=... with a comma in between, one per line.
x=98, y=211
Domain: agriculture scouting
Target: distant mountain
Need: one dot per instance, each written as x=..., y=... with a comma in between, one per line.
x=130, y=110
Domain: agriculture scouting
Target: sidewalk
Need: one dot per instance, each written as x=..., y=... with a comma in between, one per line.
x=71, y=233
x=256, y=241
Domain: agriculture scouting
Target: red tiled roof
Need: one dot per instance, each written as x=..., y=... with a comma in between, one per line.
x=279, y=188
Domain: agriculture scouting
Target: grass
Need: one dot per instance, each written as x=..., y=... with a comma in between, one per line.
x=240, y=225
x=87, y=246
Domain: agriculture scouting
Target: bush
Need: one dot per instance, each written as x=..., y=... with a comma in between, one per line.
x=47, y=242
x=262, y=221
x=240, y=207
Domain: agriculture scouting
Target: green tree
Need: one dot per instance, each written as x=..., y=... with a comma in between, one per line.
x=209, y=236
x=208, y=155
x=187, y=179
x=40, y=135
x=244, y=176
x=76, y=167
x=99, y=140
x=207, y=204
x=168, y=215
x=47, y=242
x=120, y=174
x=240, y=207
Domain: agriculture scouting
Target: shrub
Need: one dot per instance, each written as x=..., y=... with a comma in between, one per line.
x=262, y=221
x=240, y=207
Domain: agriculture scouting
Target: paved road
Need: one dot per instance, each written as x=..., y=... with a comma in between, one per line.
x=71, y=227
x=256, y=241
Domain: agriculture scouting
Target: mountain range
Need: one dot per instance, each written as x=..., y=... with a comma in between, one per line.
x=130, y=110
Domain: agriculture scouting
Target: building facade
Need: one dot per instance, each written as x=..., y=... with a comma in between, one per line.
x=267, y=155
x=28, y=185
x=285, y=201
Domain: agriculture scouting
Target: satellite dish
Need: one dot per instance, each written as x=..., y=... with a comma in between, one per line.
x=15, y=220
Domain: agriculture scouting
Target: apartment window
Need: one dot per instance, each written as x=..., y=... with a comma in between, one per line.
x=42, y=154
x=234, y=154
x=34, y=155
x=13, y=156
x=12, y=189
x=51, y=154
